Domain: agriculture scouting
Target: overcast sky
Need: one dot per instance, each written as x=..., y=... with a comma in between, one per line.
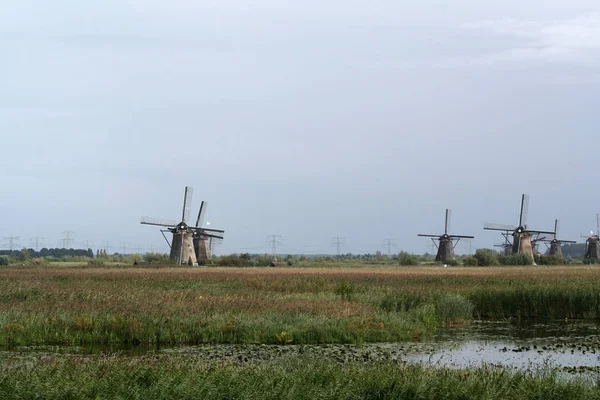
x=307, y=120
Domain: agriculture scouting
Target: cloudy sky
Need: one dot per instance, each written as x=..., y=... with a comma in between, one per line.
x=307, y=120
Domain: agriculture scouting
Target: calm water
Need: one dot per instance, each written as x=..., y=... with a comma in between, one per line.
x=569, y=346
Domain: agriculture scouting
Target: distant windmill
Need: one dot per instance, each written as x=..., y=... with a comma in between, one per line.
x=592, y=243
x=555, y=243
x=522, y=236
x=446, y=243
x=182, y=245
x=506, y=245
x=203, y=236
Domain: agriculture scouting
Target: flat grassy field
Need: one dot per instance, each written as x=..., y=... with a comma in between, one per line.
x=68, y=305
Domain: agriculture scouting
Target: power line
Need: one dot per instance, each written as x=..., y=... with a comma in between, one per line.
x=389, y=243
x=11, y=242
x=67, y=240
x=274, y=240
x=37, y=242
x=338, y=242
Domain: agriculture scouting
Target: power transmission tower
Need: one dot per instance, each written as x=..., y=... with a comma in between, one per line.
x=470, y=246
x=67, y=240
x=11, y=242
x=274, y=240
x=36, y=242
x=389, y=243
x=338, y=242
x=107, y=247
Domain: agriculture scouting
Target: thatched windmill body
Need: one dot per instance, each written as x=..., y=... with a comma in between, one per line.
x=592, y=243
x=183, y=249
x=521, y=235
x=445, y=242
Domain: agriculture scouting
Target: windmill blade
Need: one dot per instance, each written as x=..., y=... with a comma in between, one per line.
x=158, y=222
x=461, y=237
x=524, y=210
x=200, y=229
x=498, y=227
x=213, y=236
x=566, y=241
x=556, y=226
x=448, y=220
x=598, y=224
x=201, y=213
x=424, y=235
x=187, y=204
x=538, y=232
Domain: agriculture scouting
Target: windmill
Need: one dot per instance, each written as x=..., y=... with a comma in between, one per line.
x=555, y=248
x=592, y=243
x=182, y=244
x=203, y=236
x=446, y=241
x=522, y=236
x=506, y=245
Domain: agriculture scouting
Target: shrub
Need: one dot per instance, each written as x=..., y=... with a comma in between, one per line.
x=408, y=259
x=4, y=260
x=452, y=262
x=515, y=259
x=470, y=262
x=486, y=257
x=157, y=258
x=37, y=262
x=345, y=290
x=233, y=261
x=549, y=260
x=96, y=263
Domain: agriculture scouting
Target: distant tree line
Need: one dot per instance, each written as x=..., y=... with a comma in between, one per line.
x=43, y=253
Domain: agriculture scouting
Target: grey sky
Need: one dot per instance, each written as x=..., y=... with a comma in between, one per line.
x=308, y=120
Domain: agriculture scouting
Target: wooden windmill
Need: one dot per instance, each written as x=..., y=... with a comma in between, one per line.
x=555, y=244
x=445, y=242
x=506, y=245
x=521, y=235
x=203, y=236
x=592, y=243
x=182, y=245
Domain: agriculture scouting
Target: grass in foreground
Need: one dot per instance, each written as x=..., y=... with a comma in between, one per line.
x=172, y=377
x=50, y=305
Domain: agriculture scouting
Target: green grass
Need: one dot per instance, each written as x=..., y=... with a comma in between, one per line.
x=182, y=377
x=70, y=305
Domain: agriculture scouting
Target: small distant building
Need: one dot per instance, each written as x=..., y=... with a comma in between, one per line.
x=141, y=263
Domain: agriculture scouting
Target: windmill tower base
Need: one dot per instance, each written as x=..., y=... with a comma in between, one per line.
x=202, y=248
x=445, y=250
x=188, y=255
x=592, y=250
x=522, y=245
x=555, y=250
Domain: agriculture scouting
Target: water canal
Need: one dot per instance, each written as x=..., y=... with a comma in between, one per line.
x=571, y=347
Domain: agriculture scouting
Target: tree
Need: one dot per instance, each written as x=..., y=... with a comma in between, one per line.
x=25, y=255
